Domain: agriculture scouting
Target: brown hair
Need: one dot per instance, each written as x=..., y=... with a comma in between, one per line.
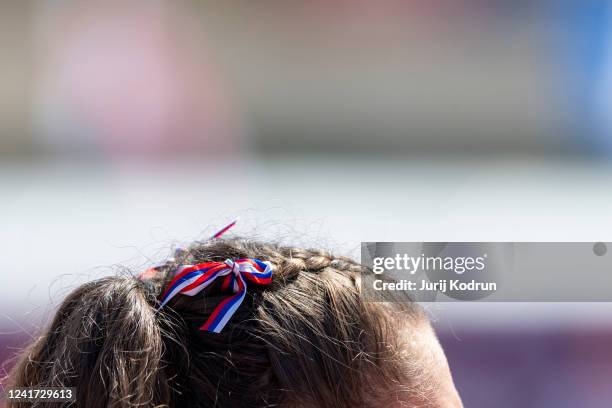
x=308, y=339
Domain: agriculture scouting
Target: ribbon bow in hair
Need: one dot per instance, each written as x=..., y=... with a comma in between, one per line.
x=192, y=279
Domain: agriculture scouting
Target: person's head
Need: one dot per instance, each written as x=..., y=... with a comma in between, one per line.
x=308, y=339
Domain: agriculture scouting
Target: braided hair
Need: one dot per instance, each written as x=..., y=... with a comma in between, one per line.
x=307, y=339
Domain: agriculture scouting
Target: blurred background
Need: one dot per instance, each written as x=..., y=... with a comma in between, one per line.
x=128, y=128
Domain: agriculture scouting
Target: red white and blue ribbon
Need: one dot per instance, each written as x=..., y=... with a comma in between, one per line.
x=192, y=279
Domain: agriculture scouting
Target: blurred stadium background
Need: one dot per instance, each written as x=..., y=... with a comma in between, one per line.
x=127, y=128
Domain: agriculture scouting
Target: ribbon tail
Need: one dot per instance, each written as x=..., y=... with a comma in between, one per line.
x=224, y=229
x=226, y=309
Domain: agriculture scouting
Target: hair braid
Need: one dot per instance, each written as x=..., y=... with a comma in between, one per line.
x=288, y=261
x=307, y=339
